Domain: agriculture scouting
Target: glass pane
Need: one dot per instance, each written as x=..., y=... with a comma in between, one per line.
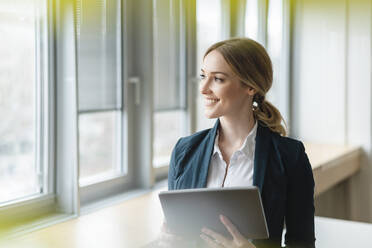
x=168, y=129
x=209, y=25
x=18, y=170
x=99, y=140
x=274, y=46
x=99, y=54
x=251, y=19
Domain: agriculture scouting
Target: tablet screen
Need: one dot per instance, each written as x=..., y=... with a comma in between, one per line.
x=188, y=211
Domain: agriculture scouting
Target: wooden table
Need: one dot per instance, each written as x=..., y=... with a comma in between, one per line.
x=332, y=164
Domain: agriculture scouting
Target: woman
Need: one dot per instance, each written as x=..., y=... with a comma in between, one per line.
x=247, y=146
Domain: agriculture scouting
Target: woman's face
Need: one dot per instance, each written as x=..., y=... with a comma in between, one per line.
x=223, y=93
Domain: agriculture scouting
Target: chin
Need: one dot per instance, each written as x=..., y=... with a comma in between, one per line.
x=211, y=115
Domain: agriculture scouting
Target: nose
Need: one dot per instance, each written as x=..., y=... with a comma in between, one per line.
x=204, y=86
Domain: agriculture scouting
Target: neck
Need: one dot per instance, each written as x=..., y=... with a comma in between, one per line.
x=233, y=131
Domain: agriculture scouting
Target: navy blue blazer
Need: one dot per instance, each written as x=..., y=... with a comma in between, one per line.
x=282, y=172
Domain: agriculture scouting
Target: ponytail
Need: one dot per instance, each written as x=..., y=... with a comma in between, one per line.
x=267, y=113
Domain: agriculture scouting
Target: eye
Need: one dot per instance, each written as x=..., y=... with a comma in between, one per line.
x=202, y=76
x=217, y=79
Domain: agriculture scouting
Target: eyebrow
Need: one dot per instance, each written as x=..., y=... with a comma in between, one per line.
x=215, y=72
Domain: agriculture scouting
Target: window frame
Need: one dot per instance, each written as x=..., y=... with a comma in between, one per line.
x=44, y=114
x=98, y=190
x=45, y=203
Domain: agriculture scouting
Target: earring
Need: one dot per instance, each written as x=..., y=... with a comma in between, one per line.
x=255, y=105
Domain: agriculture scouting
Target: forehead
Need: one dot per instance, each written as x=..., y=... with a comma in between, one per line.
x=214, y=62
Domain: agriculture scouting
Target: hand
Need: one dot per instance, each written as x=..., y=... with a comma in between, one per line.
x=216, y=240
x=167, y=239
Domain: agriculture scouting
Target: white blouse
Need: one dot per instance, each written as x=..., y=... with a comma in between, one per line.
x=240, y=170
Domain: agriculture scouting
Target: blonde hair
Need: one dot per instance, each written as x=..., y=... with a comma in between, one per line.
x=251, y=63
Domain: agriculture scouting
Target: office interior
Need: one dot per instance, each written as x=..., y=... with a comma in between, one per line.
x=94, y=94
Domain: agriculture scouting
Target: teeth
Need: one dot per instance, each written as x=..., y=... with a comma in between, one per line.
x=211, y=100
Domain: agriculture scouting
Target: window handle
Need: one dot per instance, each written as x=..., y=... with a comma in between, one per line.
x=137, y=84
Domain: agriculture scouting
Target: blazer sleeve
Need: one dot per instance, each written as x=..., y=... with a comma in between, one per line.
x=300, y=209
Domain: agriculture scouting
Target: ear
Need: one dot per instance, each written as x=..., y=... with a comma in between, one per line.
x=250, y=91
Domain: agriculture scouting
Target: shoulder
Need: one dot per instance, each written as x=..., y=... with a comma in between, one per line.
x=287, y=144
x=192, y=141
x=186, y=149
x=289, y=150
x=281, y=144
x=291, y=153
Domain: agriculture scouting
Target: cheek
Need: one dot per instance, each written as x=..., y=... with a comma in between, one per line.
x=221, y=91
x=234, y=99
x=227, y=94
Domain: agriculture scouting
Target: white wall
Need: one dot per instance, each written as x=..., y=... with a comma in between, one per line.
x=332, y=91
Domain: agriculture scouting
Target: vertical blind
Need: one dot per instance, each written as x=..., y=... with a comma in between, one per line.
x=168, y=80
x=99, y=54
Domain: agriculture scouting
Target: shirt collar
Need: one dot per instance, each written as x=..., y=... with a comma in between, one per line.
x=248, y=146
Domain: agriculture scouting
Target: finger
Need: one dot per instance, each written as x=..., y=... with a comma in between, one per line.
x=216, y=236
x=232, y=228
x=210, y=242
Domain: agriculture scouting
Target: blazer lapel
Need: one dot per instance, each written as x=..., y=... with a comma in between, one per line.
x=261, y=155
x=205, y=159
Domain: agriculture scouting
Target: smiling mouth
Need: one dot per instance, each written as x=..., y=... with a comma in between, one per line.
x=209, y=101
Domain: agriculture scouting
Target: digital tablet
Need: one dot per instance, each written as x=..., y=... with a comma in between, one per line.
x=188, y=211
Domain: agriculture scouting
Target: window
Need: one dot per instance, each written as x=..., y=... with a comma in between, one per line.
x=23, y=101
x=209, y=23
x=251, y=19
x=209, y=31
x=278, y=49
x=125, y=88
x=274, y=44
x=99, y=90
